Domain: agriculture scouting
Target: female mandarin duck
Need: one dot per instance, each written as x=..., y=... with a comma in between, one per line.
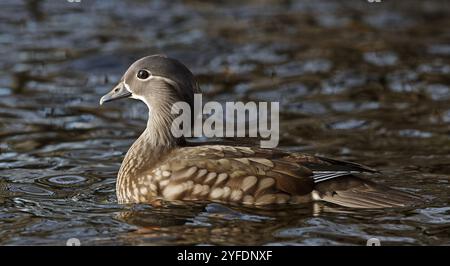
x=159, y=166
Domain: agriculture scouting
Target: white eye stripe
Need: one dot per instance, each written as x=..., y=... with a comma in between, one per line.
x=168, y=81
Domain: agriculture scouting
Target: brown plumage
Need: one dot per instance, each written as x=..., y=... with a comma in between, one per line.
x=160, y=166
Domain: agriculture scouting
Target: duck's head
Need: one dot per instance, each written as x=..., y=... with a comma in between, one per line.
x=158, y=81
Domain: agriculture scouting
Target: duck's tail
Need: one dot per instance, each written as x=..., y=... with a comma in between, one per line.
x=355, y=192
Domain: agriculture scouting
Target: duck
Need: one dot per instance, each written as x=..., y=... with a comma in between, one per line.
x=162, y=167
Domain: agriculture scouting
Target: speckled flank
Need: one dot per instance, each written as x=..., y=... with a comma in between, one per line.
x=194, y=183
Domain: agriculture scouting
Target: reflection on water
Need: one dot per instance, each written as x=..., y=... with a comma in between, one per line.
x=356, y=81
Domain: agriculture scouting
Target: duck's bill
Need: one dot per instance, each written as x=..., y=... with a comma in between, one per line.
x=119, y=92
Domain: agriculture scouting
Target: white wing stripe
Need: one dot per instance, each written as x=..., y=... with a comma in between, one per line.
x=320, y=176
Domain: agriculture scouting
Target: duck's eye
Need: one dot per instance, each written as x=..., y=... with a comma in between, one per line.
x=143, y=74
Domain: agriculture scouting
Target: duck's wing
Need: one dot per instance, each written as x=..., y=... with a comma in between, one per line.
x=265, y=176
x=325, y=169
x=322, y=168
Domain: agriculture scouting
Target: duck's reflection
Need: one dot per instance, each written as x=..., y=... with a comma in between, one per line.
x=213, y=223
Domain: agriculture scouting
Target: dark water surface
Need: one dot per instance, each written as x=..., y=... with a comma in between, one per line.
x=356, y=81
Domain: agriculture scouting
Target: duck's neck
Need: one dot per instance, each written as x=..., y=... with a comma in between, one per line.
x=154, y=142
x=148, y=150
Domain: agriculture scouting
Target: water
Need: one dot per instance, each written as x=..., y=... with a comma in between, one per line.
x=356, y=81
